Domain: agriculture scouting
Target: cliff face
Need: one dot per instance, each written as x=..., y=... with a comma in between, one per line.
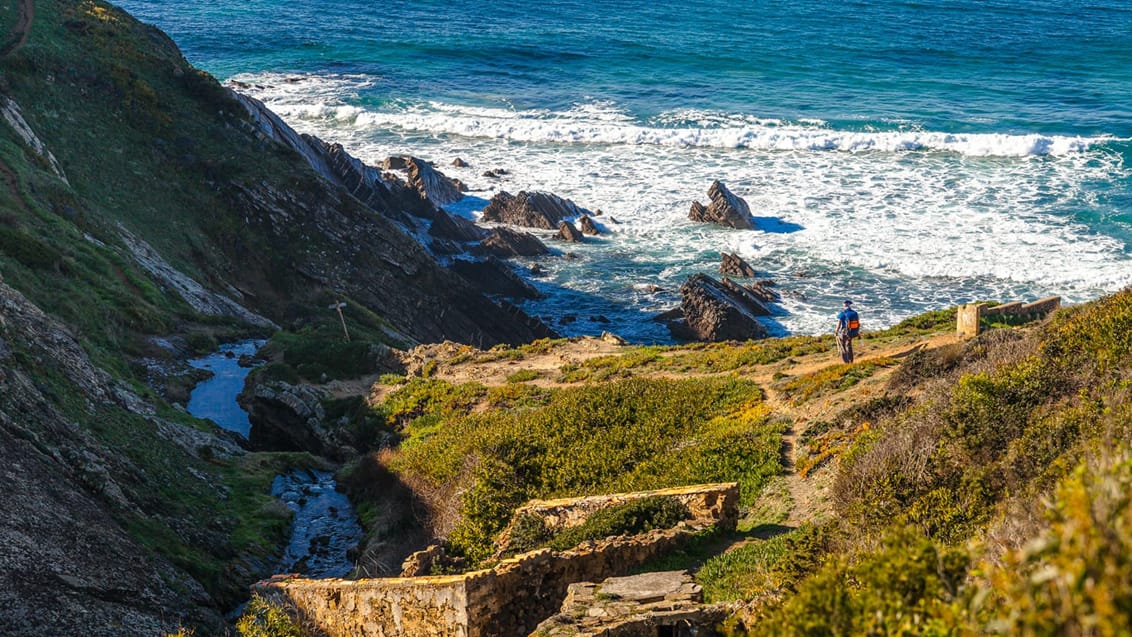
x=74, y=476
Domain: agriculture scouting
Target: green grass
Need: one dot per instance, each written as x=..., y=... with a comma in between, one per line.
x=832, y=379
x=624, y=436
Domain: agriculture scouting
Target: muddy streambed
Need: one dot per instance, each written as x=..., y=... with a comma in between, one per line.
x=324, y=527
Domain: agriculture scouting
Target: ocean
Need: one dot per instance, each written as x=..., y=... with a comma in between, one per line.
x=907, y=155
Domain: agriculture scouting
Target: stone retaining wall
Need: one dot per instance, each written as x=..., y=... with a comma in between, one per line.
x=707, y=504
x=969, y=317
x=510, y=598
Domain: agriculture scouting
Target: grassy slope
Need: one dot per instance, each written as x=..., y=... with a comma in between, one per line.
x=936, y=463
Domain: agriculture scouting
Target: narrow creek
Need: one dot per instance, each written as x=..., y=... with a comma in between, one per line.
x=325, y=527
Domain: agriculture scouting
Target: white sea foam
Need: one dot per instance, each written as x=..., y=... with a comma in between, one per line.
x=901, y=232
x=604, y=123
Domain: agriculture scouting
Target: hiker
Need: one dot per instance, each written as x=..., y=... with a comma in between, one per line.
x=848, y=328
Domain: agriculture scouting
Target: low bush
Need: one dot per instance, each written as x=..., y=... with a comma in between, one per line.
x=629, y=518
x=628, y=435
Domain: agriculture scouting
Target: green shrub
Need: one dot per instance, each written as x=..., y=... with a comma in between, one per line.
x=906, y=587
x=628, y=435
x=629, y=518
x=266, y=618
x=522, y=376
x=1076, y=577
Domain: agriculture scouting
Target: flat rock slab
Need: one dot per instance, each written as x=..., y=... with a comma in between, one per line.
x=652, y=587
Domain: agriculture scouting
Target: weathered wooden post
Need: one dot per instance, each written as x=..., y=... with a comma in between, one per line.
x=338, y=306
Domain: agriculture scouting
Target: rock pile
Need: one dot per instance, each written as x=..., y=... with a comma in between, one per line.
x=712, y=310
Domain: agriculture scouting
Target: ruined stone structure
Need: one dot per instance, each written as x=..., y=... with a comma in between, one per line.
x=970, y=316
x=512, y=597
x=647, y=605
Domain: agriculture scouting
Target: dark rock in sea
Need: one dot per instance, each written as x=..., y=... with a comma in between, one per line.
x=395, y=163
x=567, y=319
x=506, y=243
x=764, y=290
x=451, y=227
x=588, y=226
x=674, y=314
x=433, y=184
x=726, y=209
x=495, y=173
x=567, y=232
x=598, y=212
x=734, y=265
x=495, y=277
x=570, y=256
x=459, y=163
x=246, y=361
x=536, y=270
x=531, y=209
x=718, y=311
x=600, y=319
x=613, y=220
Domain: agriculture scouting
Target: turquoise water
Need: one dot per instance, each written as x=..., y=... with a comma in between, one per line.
x=910, y=155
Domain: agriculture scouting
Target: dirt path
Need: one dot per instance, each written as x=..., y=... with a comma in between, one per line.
x=18, y=36
x=807, y=495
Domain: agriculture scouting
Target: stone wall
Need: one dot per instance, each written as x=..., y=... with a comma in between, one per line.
x=376, y=607
x=707, y=504
x=970, y=316
x=510, y=598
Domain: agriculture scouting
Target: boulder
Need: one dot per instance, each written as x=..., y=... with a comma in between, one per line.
x=734, y=265
x=495, y=173
x=718, y=311
x=567, y=232
x=459, y=163
x=288, y=417
x=588, y=226
x=506, y=243
x=395, y=163
x=433, y=184
x=726, y=209
x=531, y=209
x=764, y=290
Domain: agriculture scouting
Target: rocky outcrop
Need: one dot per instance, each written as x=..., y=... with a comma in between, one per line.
x=718, y=311
x=734, y=265
x=433, y=184
x=505, y=243
x=588, y=226
x=763, y=289
x=492, y=276
x=202, y=300
x=288, y=417
x=567, y=232
x=68, y=565
x=726, y=209
x=531, y=210
x=645, y=605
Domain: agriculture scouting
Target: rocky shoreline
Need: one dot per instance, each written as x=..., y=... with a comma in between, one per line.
x=709, y=310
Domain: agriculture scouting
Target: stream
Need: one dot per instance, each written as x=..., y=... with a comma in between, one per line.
x=324, y=527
